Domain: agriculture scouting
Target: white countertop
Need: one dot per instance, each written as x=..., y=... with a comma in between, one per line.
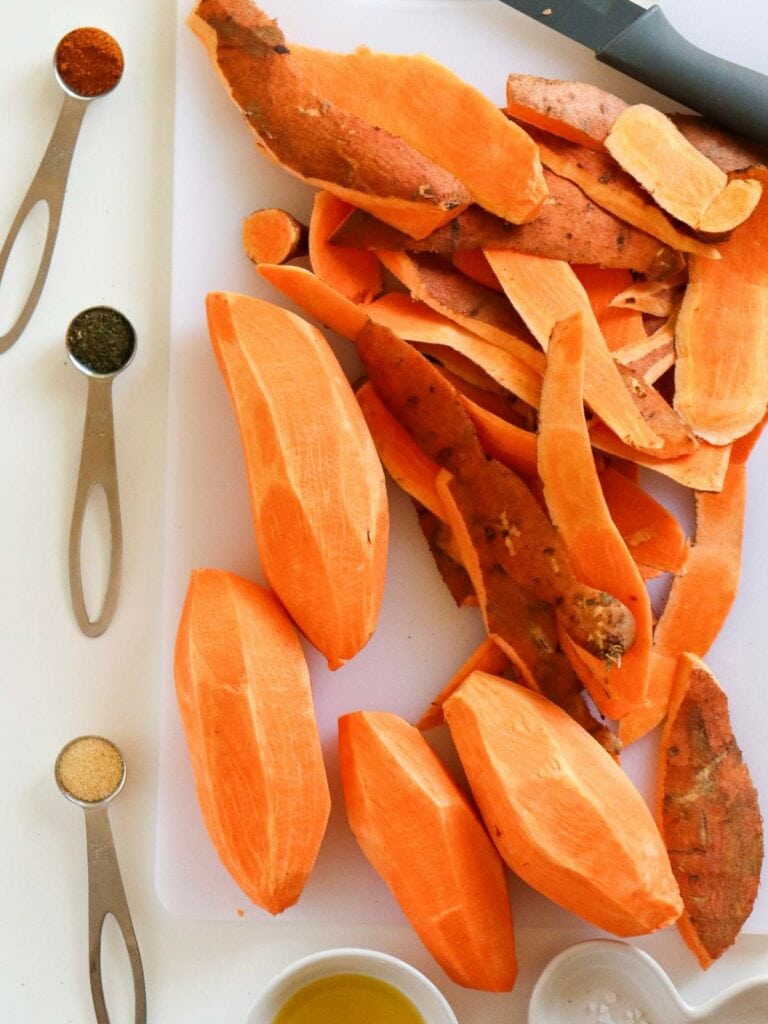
x=114, y=247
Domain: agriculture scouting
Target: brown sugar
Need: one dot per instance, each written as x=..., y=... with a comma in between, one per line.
x=90, y=769
x=89, y=61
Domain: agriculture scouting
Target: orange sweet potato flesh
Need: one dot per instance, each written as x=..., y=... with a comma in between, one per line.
x=700, y=598
x=410, y=96
x=547, y=291
x=682, y=180
x=708, y=814
x=420, y=833
x=575, y=111
x=561, y=812
x=355, y=275
x=619, y=327
x=576, y=504
x=499, y=504
x=316, y=298
x=721, y=374
x=603, y=180
x=273, y=236
x=244, y=697
x=517, y=367
x=318, y=498
x=320, y=142
x=569, y=227
x=473, y=264
x=487, y=657
x=653, y=536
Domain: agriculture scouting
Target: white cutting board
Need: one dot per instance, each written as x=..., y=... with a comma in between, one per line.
x=422, y=637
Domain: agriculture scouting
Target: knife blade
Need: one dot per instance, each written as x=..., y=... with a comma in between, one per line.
x=644, y=45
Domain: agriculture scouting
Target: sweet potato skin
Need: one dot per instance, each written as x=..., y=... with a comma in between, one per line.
x=576, y=111
x=708, y=813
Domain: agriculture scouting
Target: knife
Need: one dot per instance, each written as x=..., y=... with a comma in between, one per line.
x=645, y=46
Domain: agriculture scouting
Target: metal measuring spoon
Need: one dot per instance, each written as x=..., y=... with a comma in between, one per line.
x=90, y=771
x=100, y=342
x=50, y=182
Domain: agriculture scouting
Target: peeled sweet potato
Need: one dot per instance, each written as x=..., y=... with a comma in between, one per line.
x=318, y=498
x=245, y=702
x=561, y=812
x=708, y=814
x=324, y=144
x=421, y=835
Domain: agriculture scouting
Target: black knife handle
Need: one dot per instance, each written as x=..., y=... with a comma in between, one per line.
x=653, y=52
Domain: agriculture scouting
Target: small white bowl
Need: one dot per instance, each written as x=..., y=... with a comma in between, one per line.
x=427, y=999
x=605, y=980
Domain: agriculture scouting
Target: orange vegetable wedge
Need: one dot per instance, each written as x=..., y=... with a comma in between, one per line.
x=419, y=833
x=547, y=291
x=517, y=367
x=701, y=598
x=355, y=275
x=569, y=227
x=601, y=178
x=316, y=140
x=575, y=111
x=409, y=96
x=708, y=814
x=273, y=236
x=721, y=375
x=499, y=504
x=595, y=548
x=318, y=498
x=682, y=180
x=243, y=692
x=561, y=812
x=405, y=462
x=702, y=470
x=653, y=536
x=487, y=657
x=316, y=298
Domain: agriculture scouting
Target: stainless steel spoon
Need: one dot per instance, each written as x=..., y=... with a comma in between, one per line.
x=100, y=354
x=48, y=185
x=106, y=894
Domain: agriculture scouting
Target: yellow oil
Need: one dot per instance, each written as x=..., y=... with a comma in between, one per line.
x=348, y=999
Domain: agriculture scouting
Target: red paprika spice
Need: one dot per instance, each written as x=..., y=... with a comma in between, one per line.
x=89, y=61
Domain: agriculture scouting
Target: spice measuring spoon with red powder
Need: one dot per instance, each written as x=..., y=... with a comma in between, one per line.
x=88, y=63
x=90, y=771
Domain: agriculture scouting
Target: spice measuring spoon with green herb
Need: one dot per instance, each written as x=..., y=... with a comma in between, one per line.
x=100, y=342
x=87, y=63
x=90, y=771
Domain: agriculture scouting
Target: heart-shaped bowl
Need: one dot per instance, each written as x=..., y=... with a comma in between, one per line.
x=428, y=1000
x=611, y=982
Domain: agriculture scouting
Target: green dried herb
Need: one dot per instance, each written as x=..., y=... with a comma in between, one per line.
x=101, y=340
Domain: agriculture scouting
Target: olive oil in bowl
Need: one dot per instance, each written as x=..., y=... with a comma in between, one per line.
x=348, y=999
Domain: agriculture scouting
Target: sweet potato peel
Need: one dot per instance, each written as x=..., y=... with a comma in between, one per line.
x=322, y=143
x=575, y=111
x=708, y=814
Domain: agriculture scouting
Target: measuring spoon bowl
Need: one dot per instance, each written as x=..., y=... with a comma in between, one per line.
x=49, y=185
x=106, y=893
x=100, y=355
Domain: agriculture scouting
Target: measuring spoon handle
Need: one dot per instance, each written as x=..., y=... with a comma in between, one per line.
x=97, y=467
x=106, y=895
x=48, y=185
